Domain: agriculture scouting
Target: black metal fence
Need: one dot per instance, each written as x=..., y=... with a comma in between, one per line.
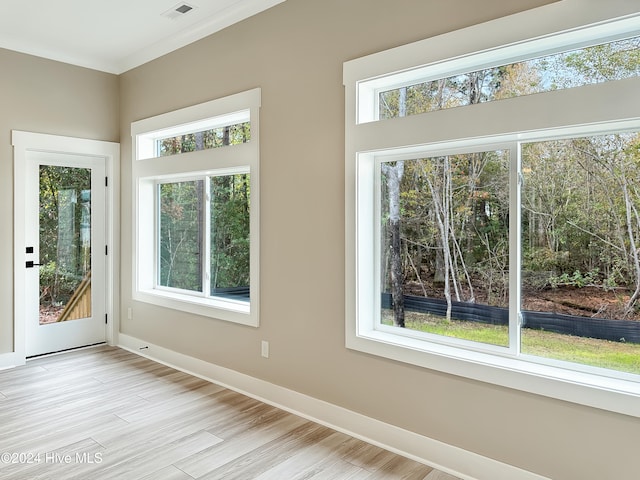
x=601, y=328
x=231, y=292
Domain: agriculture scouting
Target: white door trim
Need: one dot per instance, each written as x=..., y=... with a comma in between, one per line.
x=24, y=142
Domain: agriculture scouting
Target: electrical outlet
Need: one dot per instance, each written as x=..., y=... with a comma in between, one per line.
x=265, y=349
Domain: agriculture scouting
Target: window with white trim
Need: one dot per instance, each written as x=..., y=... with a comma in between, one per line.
x=499, y=239
x=197, y=213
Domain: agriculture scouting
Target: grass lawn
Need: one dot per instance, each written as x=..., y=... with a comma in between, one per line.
x=624, y=357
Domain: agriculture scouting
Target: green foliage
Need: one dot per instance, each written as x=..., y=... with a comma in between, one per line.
x=213, y=138
x=57, y=286
x=585, y=66
x=620, y=356
x=476, y=212
x=64, y=229
x=603, y=63
x=230, y=231
x=477, y=332
x=182, y=248
x=181, y=224
x=576, y=279
x=580, y=199
x=182, y=218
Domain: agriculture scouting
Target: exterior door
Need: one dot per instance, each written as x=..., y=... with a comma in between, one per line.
x=64, y=251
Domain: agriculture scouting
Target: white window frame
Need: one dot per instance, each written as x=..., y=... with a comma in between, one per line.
x=549, y=29
x=149, y=170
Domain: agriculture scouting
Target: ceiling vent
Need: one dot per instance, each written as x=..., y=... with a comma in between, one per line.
x=178, y=11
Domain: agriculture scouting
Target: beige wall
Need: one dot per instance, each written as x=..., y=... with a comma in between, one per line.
x=294, y=52
x=42, y=96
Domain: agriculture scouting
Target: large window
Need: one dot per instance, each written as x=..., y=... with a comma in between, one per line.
x=492, y=203
x=196, y=175
x=211, y=260
x=444, y=245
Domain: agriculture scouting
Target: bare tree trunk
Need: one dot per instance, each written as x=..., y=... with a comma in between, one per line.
x=440, y=95
x=226, y=137
x=442, y=218
x=397, y=278
x=394, y=177
x=438, y=277
x=630, y=209
x=199, y=141
x=417, y=272
x=463, y=264
x=475, y=86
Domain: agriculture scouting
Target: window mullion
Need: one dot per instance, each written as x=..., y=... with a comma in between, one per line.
x=206, y=238
x=515, y=184
x=157, y=234
x=377, y=242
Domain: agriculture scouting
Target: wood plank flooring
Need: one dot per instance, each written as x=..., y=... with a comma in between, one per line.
x=105, y=413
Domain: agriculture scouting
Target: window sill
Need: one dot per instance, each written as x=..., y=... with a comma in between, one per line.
x=613, y=394
x=223, y=309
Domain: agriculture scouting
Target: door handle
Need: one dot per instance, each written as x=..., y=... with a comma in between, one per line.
x=30, y=264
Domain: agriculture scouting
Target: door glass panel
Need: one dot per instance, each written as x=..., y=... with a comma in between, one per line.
x=65, y=243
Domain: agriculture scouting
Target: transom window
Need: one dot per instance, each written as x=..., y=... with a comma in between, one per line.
x=204, y=139
x=500, y=240
x=197, y=223
x=612, y=60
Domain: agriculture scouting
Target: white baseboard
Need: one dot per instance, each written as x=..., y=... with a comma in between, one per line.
x=447, y=458
x=10, y=360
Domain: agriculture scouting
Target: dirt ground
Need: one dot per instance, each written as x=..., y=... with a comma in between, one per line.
x=49, y=314
x=586, y=302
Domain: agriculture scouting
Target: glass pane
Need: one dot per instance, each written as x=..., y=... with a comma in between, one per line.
x=181, y=227
x=590, y=65
x=580, y=250
x=213, y=138
x=65, y=243
x=444, y=245
x=230, y=236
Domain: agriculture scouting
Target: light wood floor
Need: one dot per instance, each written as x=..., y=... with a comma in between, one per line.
x=105, y=413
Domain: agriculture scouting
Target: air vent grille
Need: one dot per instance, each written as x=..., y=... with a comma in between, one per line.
x=178, y=11
x=184, y=8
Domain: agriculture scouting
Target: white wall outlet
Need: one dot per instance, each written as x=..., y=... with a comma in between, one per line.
x=265, y=349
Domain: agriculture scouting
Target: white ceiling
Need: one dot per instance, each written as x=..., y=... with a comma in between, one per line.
x=114, y=35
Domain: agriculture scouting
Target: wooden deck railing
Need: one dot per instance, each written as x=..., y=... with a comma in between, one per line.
x=79, y=305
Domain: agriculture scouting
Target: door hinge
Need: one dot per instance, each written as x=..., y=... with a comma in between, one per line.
x=105, y=319
x=106, y=181
x=106, y=249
